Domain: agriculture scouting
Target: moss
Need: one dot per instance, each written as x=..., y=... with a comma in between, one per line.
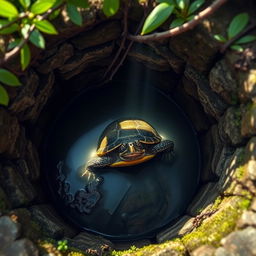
x=174, y=245
x=219, y=225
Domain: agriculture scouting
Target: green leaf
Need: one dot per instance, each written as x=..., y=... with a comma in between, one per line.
x=25, y=3
x=195, y=5
x=54, y=15
x=8, y=10
x=37, y=39
x=237, y=47
x=8, y=30
x=4, y=97
x=170, y=2
x=157, y=17
x=45, y=26
x=79, y=3
x=74, y=14
x=41, y=6
x=110, y=7
x=183, y=4
x=25, y=56
x=13, y=44
x=237, y=24
x=246, y=39
x=220, y=38
x=24, y=30
x=9, y=78
x=177, y=22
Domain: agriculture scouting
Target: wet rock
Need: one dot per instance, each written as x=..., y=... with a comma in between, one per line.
x=22, y=247
x=176, y=63
x=65, y=52
x=204, y=250
x=90, y=243
x=52, y=224
x=19, y=146
x=196, y=47
x=4, y=202
x=183, y=226
x=100, y=34
x=30, y=166
x=204, y=199
x=211, y=101
x=248, y=218
x=18, y=188
x=9, y=132
x=218, y=146
x=190, y=88
x=83, y=59
x=207, y=152
x=248, y=125
x=42, y=94
x=230, y=127
x=146, y=55
x=241, y=242
x=250, y=158
x=230, y=169
x=9, y=231
x=223, y=83
x=26, y=95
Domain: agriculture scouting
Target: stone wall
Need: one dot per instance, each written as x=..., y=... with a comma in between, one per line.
x=218, y=93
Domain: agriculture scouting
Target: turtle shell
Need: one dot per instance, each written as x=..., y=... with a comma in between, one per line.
x=124, y=131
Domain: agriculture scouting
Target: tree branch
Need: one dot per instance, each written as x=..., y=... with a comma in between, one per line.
x=22, y=15
x=11, y=54
x=185, y=27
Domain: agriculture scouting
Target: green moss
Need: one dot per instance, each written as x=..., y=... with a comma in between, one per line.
x=174, y=245
x=219, y=225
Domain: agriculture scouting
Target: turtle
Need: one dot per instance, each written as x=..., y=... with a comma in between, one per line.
x=127, y=142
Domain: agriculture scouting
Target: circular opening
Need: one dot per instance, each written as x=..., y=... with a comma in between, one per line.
x=115, y=200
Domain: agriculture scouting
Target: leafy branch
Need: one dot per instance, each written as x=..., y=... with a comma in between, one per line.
x=176, y=30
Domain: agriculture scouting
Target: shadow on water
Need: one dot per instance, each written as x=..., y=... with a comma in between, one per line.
x=135, y=201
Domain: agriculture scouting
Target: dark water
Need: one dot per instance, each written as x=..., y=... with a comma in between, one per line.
x=135, y=201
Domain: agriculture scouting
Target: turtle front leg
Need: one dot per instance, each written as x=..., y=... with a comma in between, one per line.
x=97, y=162
x=163, y=146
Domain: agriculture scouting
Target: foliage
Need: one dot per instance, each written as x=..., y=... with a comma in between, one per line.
x=62, y=245
x=236, y=26
x=183, y=10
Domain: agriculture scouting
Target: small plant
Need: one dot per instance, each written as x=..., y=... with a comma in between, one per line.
x=236, y=26
x=62, y=245
x=183, y=10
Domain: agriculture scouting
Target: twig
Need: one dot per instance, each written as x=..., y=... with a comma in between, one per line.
x=185, y=27
x=11, y=54
x=22, y=15
x=231, y=41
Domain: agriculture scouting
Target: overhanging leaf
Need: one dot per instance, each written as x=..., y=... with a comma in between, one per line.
x=237, y=24
x=79, y=3
x=157, y=17
x=74, y=14
x=25, y=3
x=8, y=78
x=110, y=7
x=45, y=26
x=13, y=44
x=41, y=6
x=171, y=2
x=177, y=22
x=8, y=30
x=183, y=4
x=195, y=5
x=237, y=47
x=25, y=56
x=37, y=39
x=246, y=39
x=8, y=10
x=4, y=97
x=220, y=38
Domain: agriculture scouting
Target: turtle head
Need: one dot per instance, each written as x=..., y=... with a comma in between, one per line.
x=131, y=151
